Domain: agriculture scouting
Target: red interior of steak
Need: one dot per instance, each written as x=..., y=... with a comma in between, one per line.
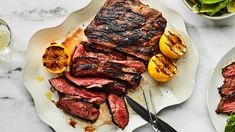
x=79, y=109
x=229, y=70
x=226, y=105
x=83, y=67
x=227, y=88
x=108, y=85
x=88, y=82
x=118, y=110
x=63, y=86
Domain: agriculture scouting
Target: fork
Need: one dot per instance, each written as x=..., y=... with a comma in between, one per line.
x=153, y=117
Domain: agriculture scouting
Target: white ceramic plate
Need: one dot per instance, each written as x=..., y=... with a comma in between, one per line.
x=178, y=90
x=213, y=96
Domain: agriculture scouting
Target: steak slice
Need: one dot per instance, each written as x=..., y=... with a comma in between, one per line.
x=226, y=105
x=78, y=108
x=229, y=70
x=111, y=53
x=84, y=67
x=92, y=50
x=227, y=88
x=108, y=85
x=228, y=79
x=127, y=26
x=61, y=85
x=118, y=110
x=88, y=82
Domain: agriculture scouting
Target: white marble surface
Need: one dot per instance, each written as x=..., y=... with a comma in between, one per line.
x=17, y=113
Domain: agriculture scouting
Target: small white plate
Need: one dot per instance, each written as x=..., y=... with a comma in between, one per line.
x=213, y=96
x=176, y=91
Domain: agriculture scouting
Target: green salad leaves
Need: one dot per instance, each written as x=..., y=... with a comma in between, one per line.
x=213, y=7
x=230, y=126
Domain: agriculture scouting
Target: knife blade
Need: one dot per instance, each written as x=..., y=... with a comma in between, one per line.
x=144, y=113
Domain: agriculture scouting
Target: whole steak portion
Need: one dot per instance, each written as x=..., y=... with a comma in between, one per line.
x=127, y=26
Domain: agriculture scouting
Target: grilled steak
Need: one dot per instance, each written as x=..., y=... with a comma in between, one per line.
x=108, y=85
x=78, y=108
x=111, y=53
x=88, y=82
x=118, y=110
x=227, y=88
x=229, y=70
x=83, y=67
x=127, y=26
x=92, y=50
x=226, y=105
x=63, y=86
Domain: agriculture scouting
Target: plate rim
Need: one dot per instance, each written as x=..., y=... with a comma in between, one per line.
x=209, y=86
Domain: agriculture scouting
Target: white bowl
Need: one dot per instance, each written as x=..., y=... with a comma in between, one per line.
x=227, y=15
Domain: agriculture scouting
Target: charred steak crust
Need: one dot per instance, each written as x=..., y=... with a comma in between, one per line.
x=226, y=105
x=79, y=108
x=118, y=110
x=87, y=66
x=127, y=26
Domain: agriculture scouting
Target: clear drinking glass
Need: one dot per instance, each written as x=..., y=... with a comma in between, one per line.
x=5, y=40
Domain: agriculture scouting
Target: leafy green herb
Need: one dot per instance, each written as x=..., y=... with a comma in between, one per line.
x=213, y=7
x=230, y=126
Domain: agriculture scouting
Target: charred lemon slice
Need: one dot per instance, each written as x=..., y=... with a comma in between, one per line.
x=172, y=45
x=161, y=68
x=56, y=58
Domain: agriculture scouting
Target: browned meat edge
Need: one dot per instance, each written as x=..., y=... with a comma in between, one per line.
x=78, y=108
x=118, y=110
x=226, y=105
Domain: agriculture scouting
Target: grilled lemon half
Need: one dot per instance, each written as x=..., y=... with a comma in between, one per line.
x=172, y=45
x=56, y=58
x=161, y=68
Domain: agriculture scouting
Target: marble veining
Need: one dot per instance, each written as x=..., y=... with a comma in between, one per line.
x=212, y=38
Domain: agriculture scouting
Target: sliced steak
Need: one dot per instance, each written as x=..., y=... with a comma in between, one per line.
x=228, y=79
x=127, y=26
x=118, y=110
x=226, y=105
x=91, y=50
x=88, y=82
x=84, y=67
x=62, y=85
x=227, y=88
x=229, y=70
x=78, y=108
x=111, y=53
x=108, y=85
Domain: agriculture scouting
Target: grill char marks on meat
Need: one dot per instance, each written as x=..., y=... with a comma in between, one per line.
x=108, y=85
x=78, y=108
x=96, y=51
x=226, y=105
x=62, y=85
x=83, y=67
x=127, y=26
x=118, y=110
x=227, y=88
x=229, y=70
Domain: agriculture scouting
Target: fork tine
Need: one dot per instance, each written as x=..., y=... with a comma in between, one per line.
x=150, y=105
x=146, y=103
x=153, y=105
